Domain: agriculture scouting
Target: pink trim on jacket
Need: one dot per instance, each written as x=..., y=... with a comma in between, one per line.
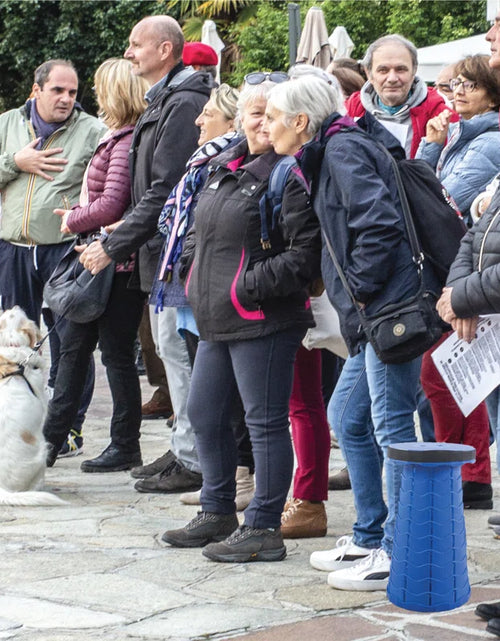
x=244, y=313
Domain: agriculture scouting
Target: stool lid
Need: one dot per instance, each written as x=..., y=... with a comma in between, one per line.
x=431, y=452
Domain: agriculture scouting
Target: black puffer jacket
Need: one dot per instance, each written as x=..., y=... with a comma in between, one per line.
x=164, y=138
x=475, y=273
x=237, y=289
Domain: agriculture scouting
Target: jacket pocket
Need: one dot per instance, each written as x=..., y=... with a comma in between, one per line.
x=241, y=299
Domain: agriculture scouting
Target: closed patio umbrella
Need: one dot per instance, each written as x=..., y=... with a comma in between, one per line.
x=314, y=47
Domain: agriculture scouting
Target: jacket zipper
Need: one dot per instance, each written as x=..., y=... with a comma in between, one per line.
x=31, y=184
x=481, y=251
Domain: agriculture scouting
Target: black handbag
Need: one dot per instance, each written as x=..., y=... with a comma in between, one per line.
x=74, y=293
x=402, y=331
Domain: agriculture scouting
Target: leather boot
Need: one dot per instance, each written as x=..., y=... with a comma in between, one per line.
x=245, y=487
x=303, y=519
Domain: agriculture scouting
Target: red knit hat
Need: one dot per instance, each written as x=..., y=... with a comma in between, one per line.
x=197, y=53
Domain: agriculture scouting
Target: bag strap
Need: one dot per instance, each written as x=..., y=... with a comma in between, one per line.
x=417, y=254
x=274, y=196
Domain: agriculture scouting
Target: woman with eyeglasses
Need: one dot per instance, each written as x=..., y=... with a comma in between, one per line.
x=466, y=154
x=249, y=269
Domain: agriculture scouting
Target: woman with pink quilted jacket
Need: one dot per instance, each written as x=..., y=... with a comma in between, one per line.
x=104, y=200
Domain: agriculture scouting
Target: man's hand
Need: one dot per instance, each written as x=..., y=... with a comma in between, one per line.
x=39, y=161
x=63, y=213
x=93, y=257
x=443, y=306
x=437, y=127
x=465, y=327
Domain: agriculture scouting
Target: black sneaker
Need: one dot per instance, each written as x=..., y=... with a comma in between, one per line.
x=248, y=544
x=204, y=528
x=174, y=478
x=72, y=446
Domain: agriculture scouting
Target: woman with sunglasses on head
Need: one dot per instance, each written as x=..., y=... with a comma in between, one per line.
x=249, y=272
x=104, y=200
x=466, y=156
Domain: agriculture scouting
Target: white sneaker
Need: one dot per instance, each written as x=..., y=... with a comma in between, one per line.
x=344, y=555
x=372, y=573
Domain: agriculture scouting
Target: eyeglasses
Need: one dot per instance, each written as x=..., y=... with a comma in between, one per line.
x=468, y=85
x=257, y=77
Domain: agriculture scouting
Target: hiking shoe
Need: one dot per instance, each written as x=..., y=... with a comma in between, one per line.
x=344, y=555
x=248, y=544
x=371, y=573
x=477, y=496
x=158, y=465
x=72, y=446
x=204, y=528
x=174, y=478
x=494, y=521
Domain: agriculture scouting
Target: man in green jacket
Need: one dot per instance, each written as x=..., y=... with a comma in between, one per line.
x=45, y=147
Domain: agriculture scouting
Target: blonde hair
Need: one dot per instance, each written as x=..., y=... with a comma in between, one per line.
x=225, y=99
x=120, y=94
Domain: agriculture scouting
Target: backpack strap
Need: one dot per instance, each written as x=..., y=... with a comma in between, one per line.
x=273, y=197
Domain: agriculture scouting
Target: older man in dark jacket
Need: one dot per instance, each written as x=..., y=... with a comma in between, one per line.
x=164, y=138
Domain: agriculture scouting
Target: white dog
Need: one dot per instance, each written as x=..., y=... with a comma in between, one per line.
x=23, y=404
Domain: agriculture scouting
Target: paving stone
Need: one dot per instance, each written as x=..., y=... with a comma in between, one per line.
x=206, y=620
x=430, y=633
x=327, y=627
x=37, y=613
x=130, y=598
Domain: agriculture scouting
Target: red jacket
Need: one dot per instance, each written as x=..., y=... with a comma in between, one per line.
x=430, y=107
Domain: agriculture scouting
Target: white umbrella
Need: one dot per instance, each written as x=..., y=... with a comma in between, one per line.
x=209, y=36
x=340, y=43
x=314, y=48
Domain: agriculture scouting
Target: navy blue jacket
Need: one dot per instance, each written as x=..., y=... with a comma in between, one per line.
x=355, y=198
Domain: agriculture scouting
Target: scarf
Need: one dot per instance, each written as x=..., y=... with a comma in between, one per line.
x=174, y=219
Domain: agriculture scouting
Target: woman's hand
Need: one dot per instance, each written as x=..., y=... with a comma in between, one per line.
x=465, y=327
x=63, y=213
x=443, y=306
x=113, y=226
x=437, y=127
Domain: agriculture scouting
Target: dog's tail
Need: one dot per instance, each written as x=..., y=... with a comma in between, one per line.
x=29, y=498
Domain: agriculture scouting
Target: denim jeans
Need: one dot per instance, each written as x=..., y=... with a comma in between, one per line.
x=371, y=408
x=262, y=371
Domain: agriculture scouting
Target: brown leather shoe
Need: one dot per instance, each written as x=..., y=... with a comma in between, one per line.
x=175, y=478
x=303, y=519
x=340, y=480
x=158, y=465
x=156, y=409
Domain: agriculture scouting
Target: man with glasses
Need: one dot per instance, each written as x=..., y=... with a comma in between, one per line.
x=394, y=94
x=164, y=138
x=442, y=84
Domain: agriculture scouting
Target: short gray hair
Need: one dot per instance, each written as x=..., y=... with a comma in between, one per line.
x=309, y=95
x=250, y=94
x=367, y=61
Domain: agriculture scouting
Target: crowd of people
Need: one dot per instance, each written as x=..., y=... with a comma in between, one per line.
x=171, y=186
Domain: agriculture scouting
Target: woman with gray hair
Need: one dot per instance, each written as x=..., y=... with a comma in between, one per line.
x=372, y=407
x=248, y=271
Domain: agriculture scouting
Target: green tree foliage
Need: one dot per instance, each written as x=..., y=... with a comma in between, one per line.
x=255, y=31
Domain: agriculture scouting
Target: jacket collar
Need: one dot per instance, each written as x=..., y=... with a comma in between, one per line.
x=234, y=158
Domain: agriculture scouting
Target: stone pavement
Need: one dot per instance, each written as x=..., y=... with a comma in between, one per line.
x=96, y=569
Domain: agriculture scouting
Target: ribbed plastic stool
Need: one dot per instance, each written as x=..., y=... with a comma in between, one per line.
x=429, y=557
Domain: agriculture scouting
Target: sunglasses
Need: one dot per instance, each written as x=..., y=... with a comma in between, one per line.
x=257, y=77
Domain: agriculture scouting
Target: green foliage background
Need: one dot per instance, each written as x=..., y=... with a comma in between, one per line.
x=256, y=31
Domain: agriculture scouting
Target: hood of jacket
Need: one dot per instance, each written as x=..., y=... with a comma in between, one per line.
x=369, y=100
